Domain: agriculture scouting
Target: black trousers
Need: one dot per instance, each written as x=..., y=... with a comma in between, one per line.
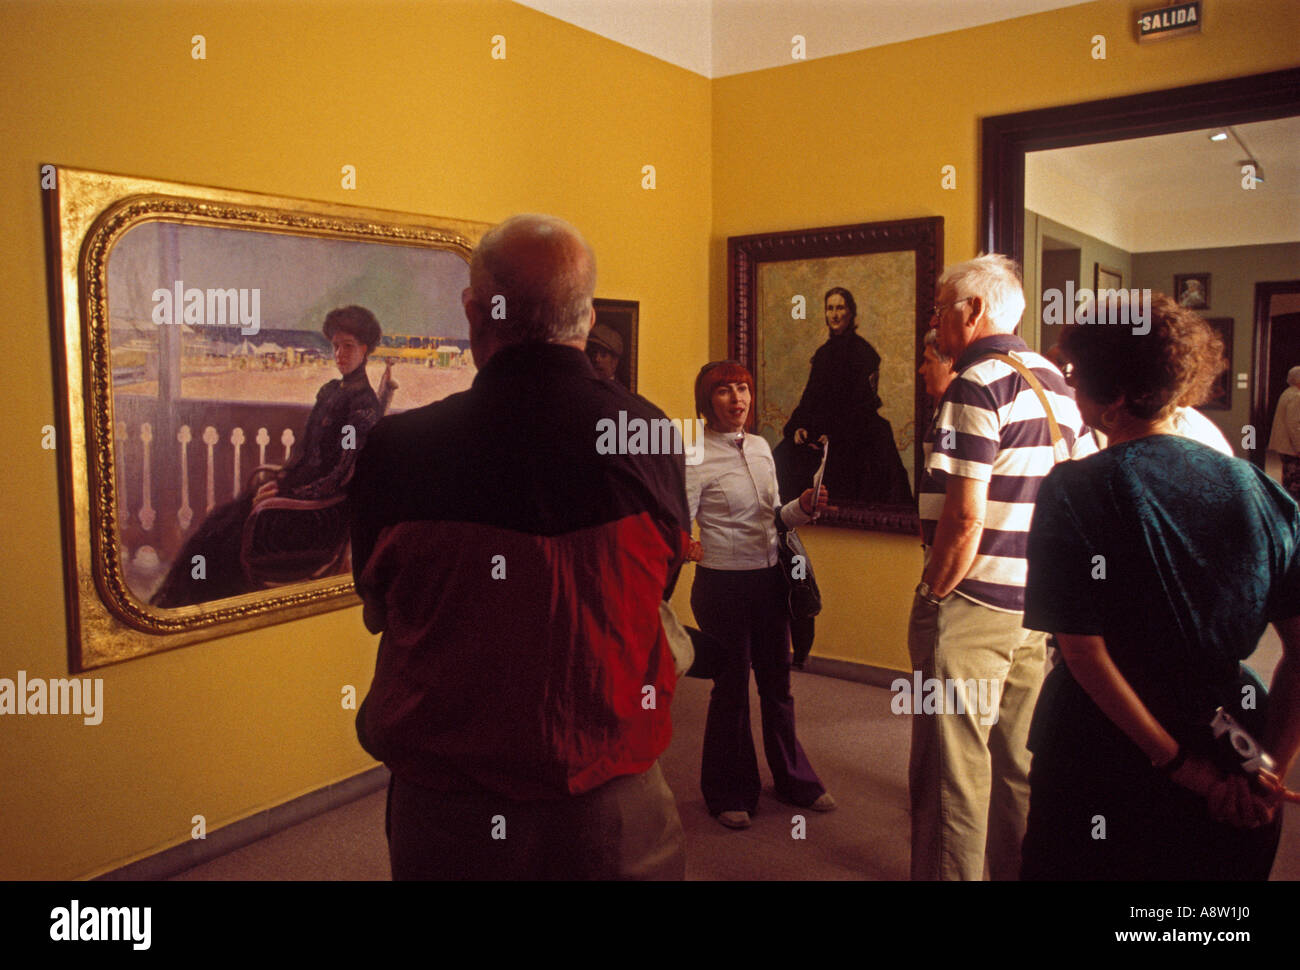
x=627, y=829
x=1098, y=810
x=745, y=610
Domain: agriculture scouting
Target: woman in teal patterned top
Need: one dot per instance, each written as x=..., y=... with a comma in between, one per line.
x=1157, y=563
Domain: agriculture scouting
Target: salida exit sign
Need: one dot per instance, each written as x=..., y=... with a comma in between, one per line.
x=1171, y=21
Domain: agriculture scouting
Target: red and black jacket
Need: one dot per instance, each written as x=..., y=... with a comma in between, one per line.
x=515, y=574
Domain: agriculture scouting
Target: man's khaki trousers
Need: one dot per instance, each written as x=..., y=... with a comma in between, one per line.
x=968, y=777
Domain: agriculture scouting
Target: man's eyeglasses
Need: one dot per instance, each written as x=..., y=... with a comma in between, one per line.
x=938, y=308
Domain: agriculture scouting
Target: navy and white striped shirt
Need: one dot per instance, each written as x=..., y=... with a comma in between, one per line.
x=990, y=426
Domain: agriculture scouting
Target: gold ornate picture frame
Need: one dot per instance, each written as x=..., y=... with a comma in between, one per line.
x=187, y=327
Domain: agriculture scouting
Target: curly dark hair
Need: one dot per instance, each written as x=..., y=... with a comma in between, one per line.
x=354, y=320
x=1174, y=364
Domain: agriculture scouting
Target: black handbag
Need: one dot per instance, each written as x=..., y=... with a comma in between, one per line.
x=804, y=599
x=709, y=655
x=695, y=653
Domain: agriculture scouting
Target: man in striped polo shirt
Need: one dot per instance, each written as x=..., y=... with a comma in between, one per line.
x=987, y=451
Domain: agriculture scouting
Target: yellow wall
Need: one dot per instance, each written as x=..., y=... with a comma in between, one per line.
x=409, y=94
x=862, y=137
x=287, y=95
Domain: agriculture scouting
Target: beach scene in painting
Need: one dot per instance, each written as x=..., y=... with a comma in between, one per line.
x=218, y=358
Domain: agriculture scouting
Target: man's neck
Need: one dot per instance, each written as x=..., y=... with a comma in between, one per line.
x=965, y=356
x=488, y=347
x=985, y=329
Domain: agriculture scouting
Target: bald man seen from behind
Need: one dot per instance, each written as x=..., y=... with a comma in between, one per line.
x=522, y=689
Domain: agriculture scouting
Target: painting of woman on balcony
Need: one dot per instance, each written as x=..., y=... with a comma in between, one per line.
x=247, y=368
x=226, y=557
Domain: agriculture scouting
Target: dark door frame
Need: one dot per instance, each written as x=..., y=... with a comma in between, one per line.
x=1006, y=138
x=1259, y=401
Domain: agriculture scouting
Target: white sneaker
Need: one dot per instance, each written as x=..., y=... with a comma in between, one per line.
x=734, y=820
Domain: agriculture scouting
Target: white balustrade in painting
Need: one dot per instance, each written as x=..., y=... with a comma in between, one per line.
x=146, y=491
x=185, y=514
x=210, y=438
x=236, y=439
x=215, y=440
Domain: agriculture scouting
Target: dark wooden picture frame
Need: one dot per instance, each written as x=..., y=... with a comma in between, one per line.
x=920, y=244
x=1221, y=393
x=622, y=317
x=1192, y=290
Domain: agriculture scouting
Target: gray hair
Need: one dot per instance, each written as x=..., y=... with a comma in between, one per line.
x=548, y=294
x=931, y=342
x=1293, y=376
x=996, y=280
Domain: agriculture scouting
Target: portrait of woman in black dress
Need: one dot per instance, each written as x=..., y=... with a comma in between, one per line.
x=840, y=404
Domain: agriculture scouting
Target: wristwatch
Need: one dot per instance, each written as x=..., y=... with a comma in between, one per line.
x=1174, y=763
x=924, y=591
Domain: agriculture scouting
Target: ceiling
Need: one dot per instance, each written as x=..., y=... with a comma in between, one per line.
x=717, y=38
x=1179, y=191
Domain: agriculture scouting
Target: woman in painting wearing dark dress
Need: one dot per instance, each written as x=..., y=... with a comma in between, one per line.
x=1157, y=563
x=840, y=403
x=321, y=470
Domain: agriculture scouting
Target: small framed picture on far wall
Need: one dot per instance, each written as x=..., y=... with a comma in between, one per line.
x=612, y=343
x=1192, y=290
x=1105, y=278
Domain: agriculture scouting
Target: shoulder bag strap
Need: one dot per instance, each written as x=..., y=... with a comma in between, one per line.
x=1034, y=383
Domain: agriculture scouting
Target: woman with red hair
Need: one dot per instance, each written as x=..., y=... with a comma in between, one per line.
x=739, y=597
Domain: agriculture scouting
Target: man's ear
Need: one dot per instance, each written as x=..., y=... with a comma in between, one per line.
x=473, y=312
x=482, y=337
x=976, y=311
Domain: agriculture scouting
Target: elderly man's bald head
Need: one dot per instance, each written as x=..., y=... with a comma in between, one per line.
x=547, y=274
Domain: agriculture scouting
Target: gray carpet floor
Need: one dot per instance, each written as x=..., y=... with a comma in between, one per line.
x=857, y=745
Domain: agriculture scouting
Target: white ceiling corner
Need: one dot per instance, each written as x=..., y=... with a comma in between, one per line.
x=716, y=38
x=1175, y=191
x=676, y=31
x=1172, y=192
